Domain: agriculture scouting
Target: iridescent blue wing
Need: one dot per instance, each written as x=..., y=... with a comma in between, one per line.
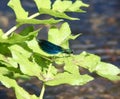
x=51, y=48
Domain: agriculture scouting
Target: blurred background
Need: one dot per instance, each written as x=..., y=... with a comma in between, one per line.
x=100, y=28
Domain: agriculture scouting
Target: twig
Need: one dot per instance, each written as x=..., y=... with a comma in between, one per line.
x=34, y=15
x=11, y=30
x=42, y=92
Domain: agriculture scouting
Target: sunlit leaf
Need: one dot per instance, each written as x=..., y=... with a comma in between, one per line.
x=43, y=4
x=65, y=5
x=94, y=64
x=60, y=36
x=17, y=38
x=18, y=9
x=56, y=14
x=108, y=71
x=76, y=6
x=87, y=60
x=70, y=75
x=67, y=78
x=26, y=66
x=7, y=62
x=19, y=91
x=3, y=70
x=33, y=45
x=59, y=8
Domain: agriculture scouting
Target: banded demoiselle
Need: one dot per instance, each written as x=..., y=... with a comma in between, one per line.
x=51, y=48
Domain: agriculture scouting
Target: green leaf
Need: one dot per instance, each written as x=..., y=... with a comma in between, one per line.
x=4, y=49
x=1, y=57
x=4, y=71
x=43, y=4
x=56, y=14
x=20, y=76
x=87, y=60
x=67, y=78
x=2, y=35
x=11, y=62
x=18, y=9
x=51, y=71
x=75, y=7
x=70, y=75
x=36, y=21
x=22, y=50
x=94, y=64
x=19, y=91
x=69, y=64
x=5, y=61
x=60, y=36
x=108, y=71
x=17, y=38
x=61, y=6
x=74, y=36
x=26, y=66
x=42, y=62
x=11, y=72
x=68, y=6
x=33, y=45
x=10, y=68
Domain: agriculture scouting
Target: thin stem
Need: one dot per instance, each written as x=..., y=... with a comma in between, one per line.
x=34, y=15
x=42, y=91
x=47, y=58
x=11, y=30
x=15, y=27
x=48, y=72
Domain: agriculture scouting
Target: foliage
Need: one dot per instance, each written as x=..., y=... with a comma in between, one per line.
x=21, y=56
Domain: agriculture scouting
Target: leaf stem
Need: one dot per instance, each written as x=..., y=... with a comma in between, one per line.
x=15, y=27
x=42, y=91
x=43, y=86
x=34, y=15
x=11, y=30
